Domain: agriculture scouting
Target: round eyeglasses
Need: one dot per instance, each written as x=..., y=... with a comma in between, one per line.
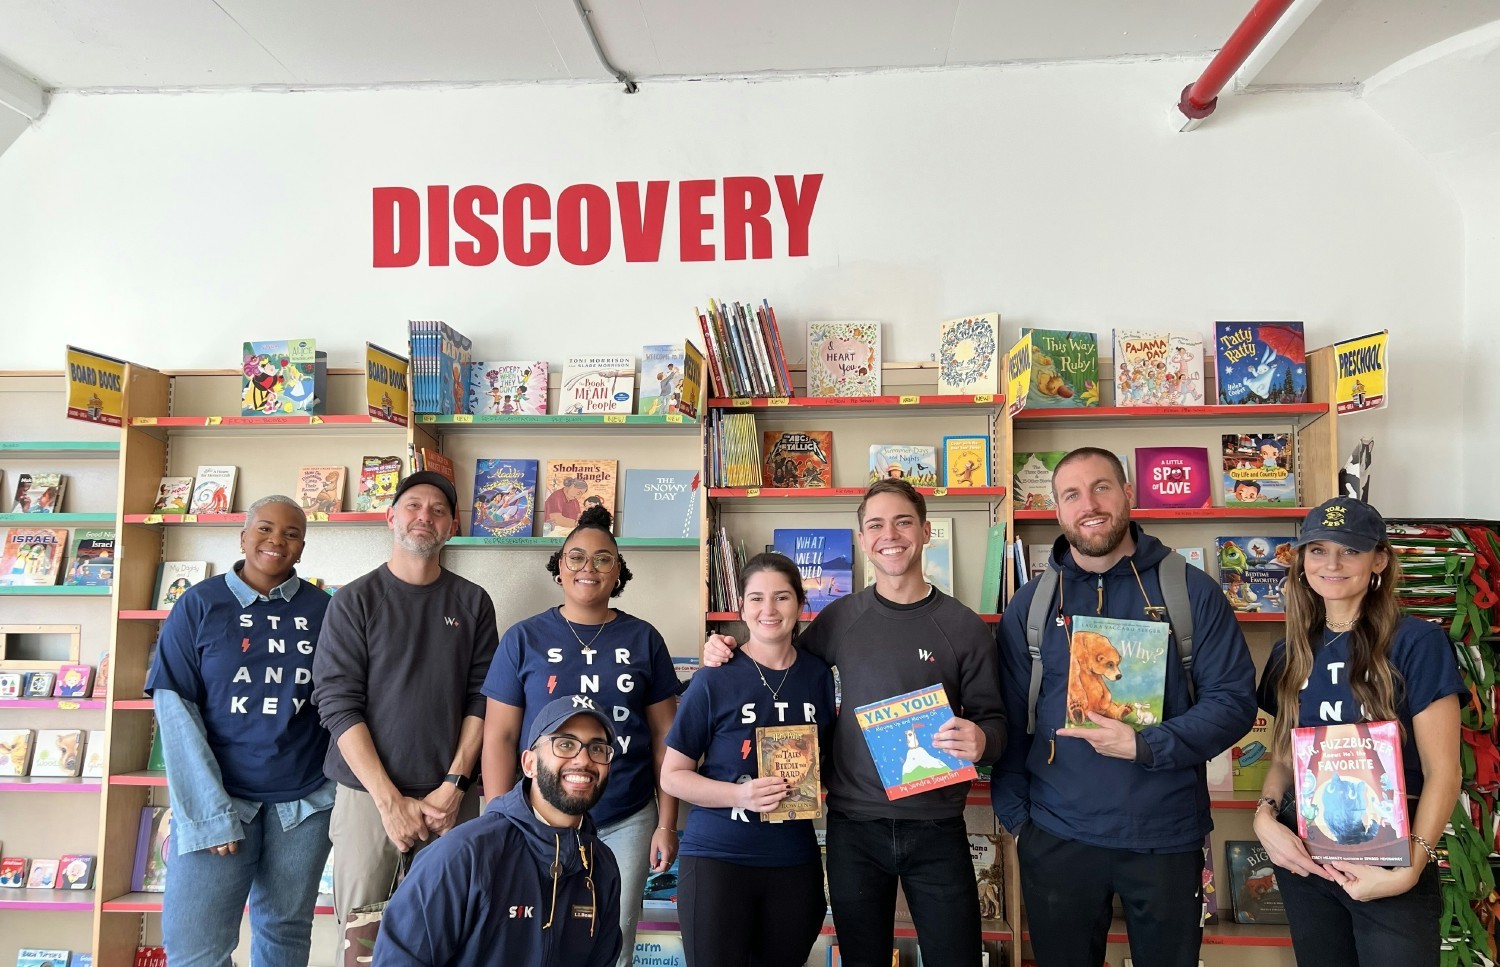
x=566, y=747
x=601, y=562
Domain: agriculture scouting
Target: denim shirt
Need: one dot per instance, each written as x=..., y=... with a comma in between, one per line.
x=203, y=814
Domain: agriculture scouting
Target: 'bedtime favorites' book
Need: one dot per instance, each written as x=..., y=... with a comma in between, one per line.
x=1172, y=477
x=505, y=388
x=661, y=503
x=1064, y=369
x=571, y=487
x=1118, y=669
x=597, y=384
x=825, y=558
x=504, y=498
x=917, y=465
x=1031, y=485
x=843, y=359
x=153, y=850
x=173, y=496
x=790, y=752
x=1252, y=883
x=969, y=356
x=1260, y=362
x=320, y=490
x=1158, y=369
x=966, y=461
x=31, y=556
x=1258, y=470
x=1253, y=572
x=797, y=458
x=899, y=732
x=173, y=578
x=378, y=477
x=283, y=378
x=213, y=490
x=1351, y=793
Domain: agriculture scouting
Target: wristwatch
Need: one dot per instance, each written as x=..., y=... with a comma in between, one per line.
x=462, y=782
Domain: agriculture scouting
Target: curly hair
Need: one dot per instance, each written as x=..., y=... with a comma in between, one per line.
x=599, y=519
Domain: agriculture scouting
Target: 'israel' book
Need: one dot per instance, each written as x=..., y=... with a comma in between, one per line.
x=899, y=732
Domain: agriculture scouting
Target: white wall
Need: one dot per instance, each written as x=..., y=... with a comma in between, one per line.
x=169, y=228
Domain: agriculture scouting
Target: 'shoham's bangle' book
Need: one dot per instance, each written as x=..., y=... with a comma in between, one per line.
x=899, y=732
x=1351, y=793
x=791, y=752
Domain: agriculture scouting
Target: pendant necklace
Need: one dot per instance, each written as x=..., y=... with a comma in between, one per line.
x=1341, y=626
x=775, y=692
x=575, y=633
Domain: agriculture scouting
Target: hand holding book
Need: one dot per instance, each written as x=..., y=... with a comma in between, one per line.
x=1112, y=737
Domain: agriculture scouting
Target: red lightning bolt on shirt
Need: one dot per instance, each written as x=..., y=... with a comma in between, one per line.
x=244, y=645
x=745, y=750
x=551, y=683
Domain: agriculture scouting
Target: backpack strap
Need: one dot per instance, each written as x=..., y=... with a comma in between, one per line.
x=1172, y=573
x=1036, y=625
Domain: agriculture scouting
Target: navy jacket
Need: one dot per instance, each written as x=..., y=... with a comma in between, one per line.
x=485, y=894
x=1159, y=802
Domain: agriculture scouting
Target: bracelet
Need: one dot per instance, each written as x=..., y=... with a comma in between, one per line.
x=1426, y=846
x=1268, y=801
x=670, y=829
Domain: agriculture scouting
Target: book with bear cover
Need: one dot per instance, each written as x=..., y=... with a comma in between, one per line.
x=1258, y=470
x=1260, y=362
x=917, y=465
x=573, y=486
x=320, y=490
x=1172, y=478
x=1351, y=793
x=1117, y=668
x=31, y=556
x=969, y=356
x=1253, y=571
x=504, y=497
x=797, y=458
x=899, y=732
x=790, y=752
x=506, y=388
x=825, y=558
x=1252, y=883
x=1064, y=369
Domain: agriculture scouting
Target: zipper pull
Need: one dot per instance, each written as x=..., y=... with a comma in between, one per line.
x=1099, y=590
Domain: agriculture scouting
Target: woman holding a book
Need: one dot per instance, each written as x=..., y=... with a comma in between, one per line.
x=585, y=647
x=745, y=750
x=232, y=686
x=1349, y=657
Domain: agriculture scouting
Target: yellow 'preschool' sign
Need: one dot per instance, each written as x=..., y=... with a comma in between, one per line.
x=95, y=386
x=1018, y=374
x=1362, y=369
x=386, y=392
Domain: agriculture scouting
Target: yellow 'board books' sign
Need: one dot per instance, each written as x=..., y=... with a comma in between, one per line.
x=95, y=386
x=1362, y=370
x=385, y=385
x=1018, y=374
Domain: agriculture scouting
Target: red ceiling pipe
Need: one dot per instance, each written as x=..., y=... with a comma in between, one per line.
x=1201, y=97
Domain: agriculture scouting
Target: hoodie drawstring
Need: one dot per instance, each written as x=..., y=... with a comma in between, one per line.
x=588, y=877
x=556, y=870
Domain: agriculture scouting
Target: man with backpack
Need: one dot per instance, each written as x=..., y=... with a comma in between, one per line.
x=1112, y=810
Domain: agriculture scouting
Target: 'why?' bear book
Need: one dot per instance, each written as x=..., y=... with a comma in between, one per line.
x=1118, y=669
x=899, y=732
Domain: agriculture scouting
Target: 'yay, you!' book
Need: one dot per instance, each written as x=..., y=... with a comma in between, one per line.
x=899, y=732
x=1117, y=668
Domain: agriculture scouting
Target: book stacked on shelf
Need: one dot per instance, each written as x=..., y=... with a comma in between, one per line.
x=969, y=356
x=917, y=465
x=725, y=559
x=1258, y=470
x=39, y=493
x=733, y=450
x=440, y=368
x=286, y=377
x=569, y=487
x=31, y=556
x=173, y=496
x=1252, y=883
x=507, y=388
x=153, y=849
x=1260, y=362
x=50, y=753
x=745, y=354
x=213, y=490
x=173, y=578
x=966, y=461
x=843, y=359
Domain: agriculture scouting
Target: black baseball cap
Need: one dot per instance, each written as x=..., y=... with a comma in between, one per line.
x=1346, y=521
x=433, y=479
x=559, y=710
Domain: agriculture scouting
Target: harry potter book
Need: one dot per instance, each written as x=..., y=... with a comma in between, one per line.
x=899, y=732
x=790, y=752
x=1351, y=793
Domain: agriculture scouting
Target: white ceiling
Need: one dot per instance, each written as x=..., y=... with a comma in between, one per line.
x=148, y=44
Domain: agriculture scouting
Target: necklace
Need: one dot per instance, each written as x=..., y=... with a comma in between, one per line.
x=591, y=641
x=775, y=692
x=1341, y=625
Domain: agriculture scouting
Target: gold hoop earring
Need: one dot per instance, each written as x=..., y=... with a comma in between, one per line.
x=557, y=578
x=1375, y=581
x=619, y=583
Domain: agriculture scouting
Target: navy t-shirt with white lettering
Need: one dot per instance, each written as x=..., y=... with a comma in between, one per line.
x=1420, y=651
x=716, y=722
x=249, y=672
x=622, y=665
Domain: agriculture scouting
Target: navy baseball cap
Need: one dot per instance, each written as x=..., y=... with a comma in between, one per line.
x=1346, y=521
x=433, y=479
x=559, y=710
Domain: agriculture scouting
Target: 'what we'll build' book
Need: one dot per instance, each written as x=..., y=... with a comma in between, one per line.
x=824, y=557
x=899, y=732
x=1351, y=793
x=1118, y=669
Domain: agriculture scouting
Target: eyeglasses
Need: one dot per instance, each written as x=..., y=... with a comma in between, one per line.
x=566, y=747
x=601, y=562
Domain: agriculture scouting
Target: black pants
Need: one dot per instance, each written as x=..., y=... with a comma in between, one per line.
x=748, y=916
x=931, y=860
x=1069, y=889
x=1332, y=929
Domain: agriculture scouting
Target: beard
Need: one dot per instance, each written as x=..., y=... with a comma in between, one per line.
x=549, y=782
x=417, y=544
x=1100, y=544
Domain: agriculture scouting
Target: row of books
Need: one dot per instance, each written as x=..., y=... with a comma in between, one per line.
x=741, y=455
x=38, y=493
x=53, y=753
x=657, y=503
x=71, y=871
x=33, y=557
x=68, y=681
x=745, y=355
x=318, y=489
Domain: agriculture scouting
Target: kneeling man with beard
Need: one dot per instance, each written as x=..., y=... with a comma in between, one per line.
x=528, y=882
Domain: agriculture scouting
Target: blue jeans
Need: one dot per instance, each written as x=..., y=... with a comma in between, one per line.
x=276, y=869
x=930, y=857
x=630, y=840
x=1331, y=929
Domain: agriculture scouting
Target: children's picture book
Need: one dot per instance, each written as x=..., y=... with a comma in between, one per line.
x=31, y=556
x=661, y=503
x=91, y=560
x=153, y=850
x=689, y=401
x=790, y=752
x=101, y=680
x=151, y=957
x=937, y=557
x=35, y=957
x=1117, y=668
x=965, y=461
x=43, y=875
x=662, y=370
x=1036, y=559
x=1253, y=572
x=320, y=490
x=1210, y=893
x=597, y=384
x=899, y=732
x=1351, y=793
x=1252, y=883
x=11, y=684
x=571, y=487
x=173, y=496
x=969, y=356
x=39, y=684
x=213, y=490
x=39, y=493
x=917, y=465
x=1158, y=369
x=286, y=377
x=430, y=459
x=93, y=754
x=505, y=388
x=13, y=870
x=843, y=359
x=1193, y=555
x=660, y=893
x=797, y=458
x=1172, y=477
x=1260, y=362
x=1250, y=757
x=504, y=497
x=59, y=752
x=1031, y=484
x=824, y=556
x=1064, y=369
x=15, y=751
x=1258, y=470
x=75, y=871
x=173, y=578
x=378, y=477
x=73, y=681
